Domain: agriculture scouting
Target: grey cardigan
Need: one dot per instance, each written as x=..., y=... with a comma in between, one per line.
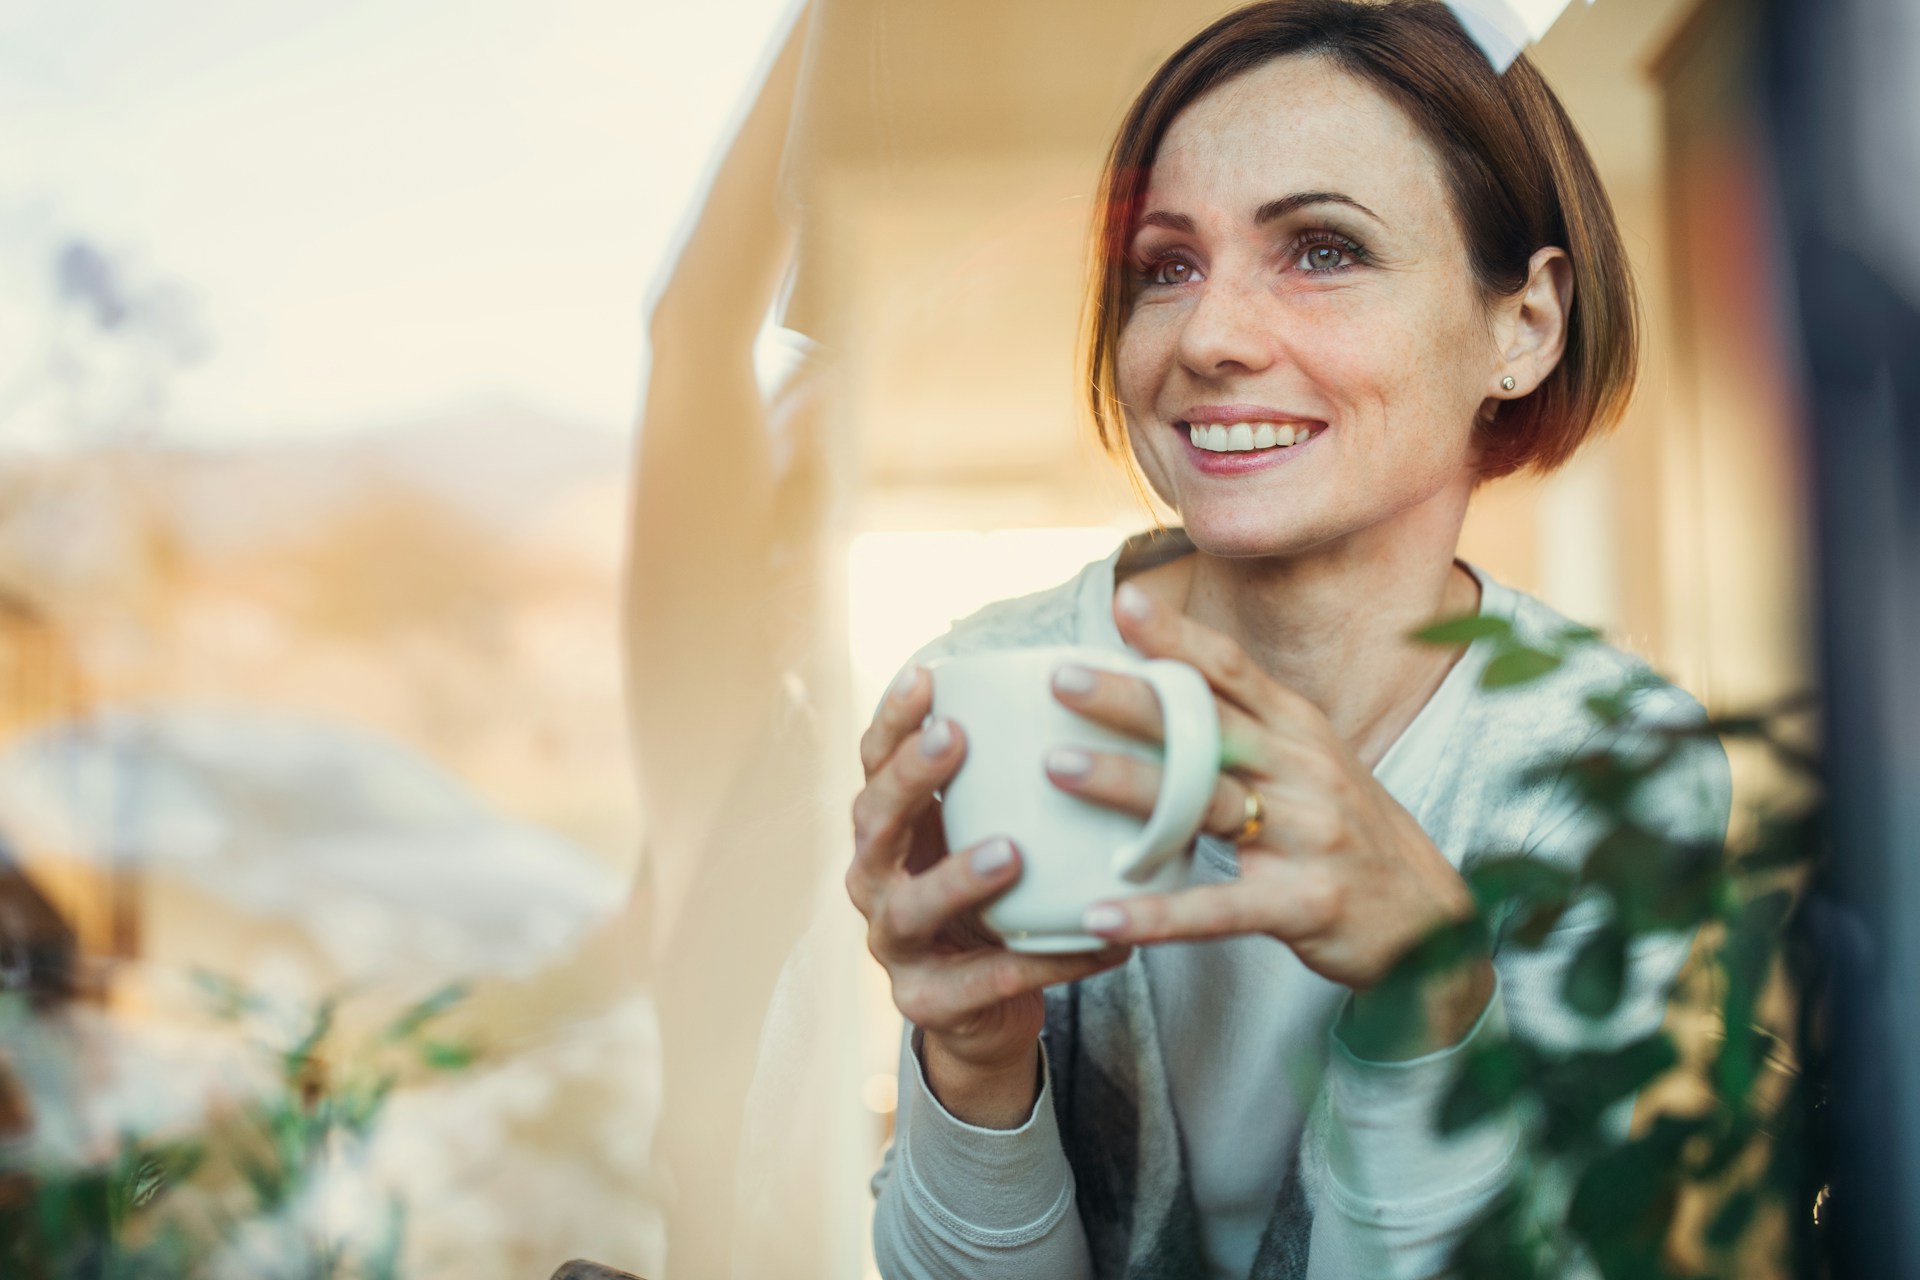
x=1107, y=1075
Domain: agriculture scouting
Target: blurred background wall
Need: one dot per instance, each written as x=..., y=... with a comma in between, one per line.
x=349, y=633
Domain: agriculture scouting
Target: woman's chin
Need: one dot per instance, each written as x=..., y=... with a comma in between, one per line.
x=1235, y=536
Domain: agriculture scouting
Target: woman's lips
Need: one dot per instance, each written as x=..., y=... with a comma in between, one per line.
x=1216, y=447
x=1232, y=413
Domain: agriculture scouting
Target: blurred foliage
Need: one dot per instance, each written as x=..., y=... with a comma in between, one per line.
x=254, y=1189
x=1724, y=1183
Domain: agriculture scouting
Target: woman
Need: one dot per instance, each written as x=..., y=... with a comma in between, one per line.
x=1348, y=274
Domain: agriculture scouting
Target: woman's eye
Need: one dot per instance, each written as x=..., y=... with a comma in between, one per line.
x=1172, y=271
x=1323, y=257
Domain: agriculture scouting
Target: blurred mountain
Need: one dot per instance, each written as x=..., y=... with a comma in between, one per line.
x=387, y=860
x=85, y=521
x=501, y=461
x=503, y=464
x=451, y=583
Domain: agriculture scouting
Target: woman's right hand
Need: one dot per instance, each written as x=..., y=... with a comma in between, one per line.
x=978, y=1004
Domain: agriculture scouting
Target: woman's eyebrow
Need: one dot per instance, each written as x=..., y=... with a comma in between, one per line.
x=1171, y=221
x=1268, y=212
x=1285, y=205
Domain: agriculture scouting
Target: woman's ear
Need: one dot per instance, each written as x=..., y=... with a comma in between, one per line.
x=1532, y=326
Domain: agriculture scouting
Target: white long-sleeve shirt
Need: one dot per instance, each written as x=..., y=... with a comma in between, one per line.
x=1245, y=1030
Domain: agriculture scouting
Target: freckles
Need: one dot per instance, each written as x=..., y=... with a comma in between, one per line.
x=1356, y=357
x=1138, y=340
x=1399, y=372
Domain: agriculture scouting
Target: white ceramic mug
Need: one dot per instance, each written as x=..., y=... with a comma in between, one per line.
x=1073, y=852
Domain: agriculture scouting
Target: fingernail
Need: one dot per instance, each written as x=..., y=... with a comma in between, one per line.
x=992, y=856
x=1073, y=679
x=1104, y=919
x=1133, y=601
x=936, y=738
x=1069, y=762
x=904, y=682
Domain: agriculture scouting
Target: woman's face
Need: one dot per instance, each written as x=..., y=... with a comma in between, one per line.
x=1297, y=263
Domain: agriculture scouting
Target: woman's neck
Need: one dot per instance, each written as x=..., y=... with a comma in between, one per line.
x=1333, y=625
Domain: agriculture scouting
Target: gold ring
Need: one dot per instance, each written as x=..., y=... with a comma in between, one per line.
x=1255, y=819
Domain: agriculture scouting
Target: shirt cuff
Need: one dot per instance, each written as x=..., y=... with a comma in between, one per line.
x=1386, y=1148
x=995, y=1187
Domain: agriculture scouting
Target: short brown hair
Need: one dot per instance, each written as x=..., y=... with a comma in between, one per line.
x=1518, y=175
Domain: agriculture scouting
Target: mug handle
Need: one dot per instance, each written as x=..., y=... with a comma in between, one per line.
x=1190, y=766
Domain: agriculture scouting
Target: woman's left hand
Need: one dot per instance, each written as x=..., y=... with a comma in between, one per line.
x=1338, y=870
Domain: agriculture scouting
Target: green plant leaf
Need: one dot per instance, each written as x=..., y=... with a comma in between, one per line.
x=268, y=1182
x=356, y=1105
x=1598, y=972
x=1631, y=1067
x=447, y=1055
x=1624, y=859
x=1531, y=928
x=1445, y=948
x=295, y=1060
x=1516, y=878
x=1609, y=708
x=1502, y=1244
x=1732, y=1221
x=1517, y=665
x=1489, y=1079
x=1747, y=958
x=1603, y=1077
x=147, y=1182
x=1524, y=895
x=1692, y=879
x=1780, y=842
x=1375, y=1027
x=1656, y=883
x=1576, y=1090
x=1735, y=1134
x=153, y=1172
x=1767, y=914
x=231, y=1000
x=1623, y=1209
x=1602, y=781
x=1464, y=630
x=418, y=1015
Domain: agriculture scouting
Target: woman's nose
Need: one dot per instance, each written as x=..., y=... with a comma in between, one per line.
x=1229, y=329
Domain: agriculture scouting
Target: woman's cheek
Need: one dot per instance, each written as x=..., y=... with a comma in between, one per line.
x=1442, y=380
x=1349, y=332
x=1391, y=359
x=1143, y=355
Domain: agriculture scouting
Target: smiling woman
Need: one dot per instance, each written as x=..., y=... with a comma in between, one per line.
x=1488, y=172
x=1347, y=274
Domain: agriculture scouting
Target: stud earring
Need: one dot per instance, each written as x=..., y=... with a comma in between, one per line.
x=1506, y=383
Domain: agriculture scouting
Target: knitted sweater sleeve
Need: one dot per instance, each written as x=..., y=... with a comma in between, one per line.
x=954, y=1201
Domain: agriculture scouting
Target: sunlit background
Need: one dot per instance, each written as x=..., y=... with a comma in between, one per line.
x=324, y=335
x=321, y=339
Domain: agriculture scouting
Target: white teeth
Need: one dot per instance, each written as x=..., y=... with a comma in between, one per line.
x=1243, y=437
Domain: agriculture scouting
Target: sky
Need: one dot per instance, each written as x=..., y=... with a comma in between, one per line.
x=375, y=210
